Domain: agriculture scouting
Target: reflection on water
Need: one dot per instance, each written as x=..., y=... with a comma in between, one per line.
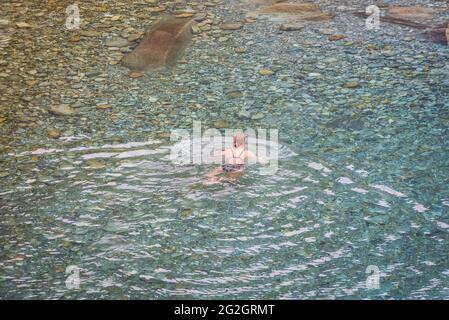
x=139, y=226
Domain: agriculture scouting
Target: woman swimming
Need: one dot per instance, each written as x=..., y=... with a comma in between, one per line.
x=234, y=158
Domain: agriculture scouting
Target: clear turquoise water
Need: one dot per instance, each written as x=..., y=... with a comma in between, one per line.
x=368, y=184
x=144, y=228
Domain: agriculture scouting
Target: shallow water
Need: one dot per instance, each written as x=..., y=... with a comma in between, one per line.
x=362, y=181
x=144, y=228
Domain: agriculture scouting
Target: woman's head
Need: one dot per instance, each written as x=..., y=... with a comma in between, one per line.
x=239, y=140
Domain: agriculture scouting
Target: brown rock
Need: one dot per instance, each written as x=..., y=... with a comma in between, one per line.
x=53, y=134
x=185, y=15
x=413, y=13
x=162, y=45
x=249, y=20
x=135, y=74
x=291, y=27
x=336, y=37
x=75, y=38
x=293, y=11
x=351, y=84
x=231, y=26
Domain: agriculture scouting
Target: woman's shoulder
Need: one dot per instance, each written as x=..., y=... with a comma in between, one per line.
x=248, y=153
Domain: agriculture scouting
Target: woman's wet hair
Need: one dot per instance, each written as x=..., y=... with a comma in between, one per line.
x=239, y=139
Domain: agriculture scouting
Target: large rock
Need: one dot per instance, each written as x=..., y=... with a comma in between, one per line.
x=412, y=13
x=291, y=12
x=439, y=34
x=162, y=45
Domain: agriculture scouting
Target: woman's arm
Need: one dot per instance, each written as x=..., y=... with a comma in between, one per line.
x=250, y=155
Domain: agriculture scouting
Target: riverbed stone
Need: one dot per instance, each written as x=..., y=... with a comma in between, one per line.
x=163, y=44
x=62, y=110
x=291, y=12
x=291, y=27
x=416, y=12
x=336, y=37
x=117, y=42
x=53, y=133
x=220, y=124
x=351, y=84
x=231, y=26
x=266, y=72
x=258, y=116
x=23, y=25
x=326, y=31
x=94, y=164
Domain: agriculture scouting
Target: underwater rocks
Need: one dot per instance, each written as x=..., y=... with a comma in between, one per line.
x=4, y=23
x=53, y=134
x=266, y=72
x=135, y=74
x=23, y=25
x=62, y=110
x=291, y=12
x=351, y=84
x=326, y=31
x=231, y=26
x=220, y=124
x=117, y=42
x=89, y=33
x=93, y=164
x=291, y=27
x=336, y=37
x=258, y=116
x=240, y=50
x=163, y=44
